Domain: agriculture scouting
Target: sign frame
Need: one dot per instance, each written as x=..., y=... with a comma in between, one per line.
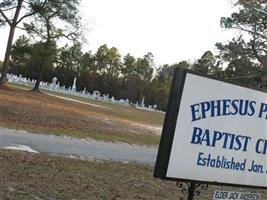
x=169, y=126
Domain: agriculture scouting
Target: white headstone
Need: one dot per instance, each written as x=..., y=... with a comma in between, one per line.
x=54, y=83
x=73, y=89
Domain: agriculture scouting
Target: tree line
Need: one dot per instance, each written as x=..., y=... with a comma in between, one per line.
x=243, y=59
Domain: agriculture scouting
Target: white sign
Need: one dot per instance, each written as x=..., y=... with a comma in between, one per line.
x=220, y=134
x=230, y=195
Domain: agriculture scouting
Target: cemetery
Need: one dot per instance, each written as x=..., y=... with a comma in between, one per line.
x=177, y=111
x=95, y=95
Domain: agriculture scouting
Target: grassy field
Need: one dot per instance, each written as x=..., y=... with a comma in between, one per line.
x=40, y=176
x=41, y=113
x=123, y=112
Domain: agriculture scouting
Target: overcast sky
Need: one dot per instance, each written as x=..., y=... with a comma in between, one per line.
x=173, y=30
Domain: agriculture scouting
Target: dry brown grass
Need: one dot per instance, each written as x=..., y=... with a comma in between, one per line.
x=39, y=176
x=43, y=113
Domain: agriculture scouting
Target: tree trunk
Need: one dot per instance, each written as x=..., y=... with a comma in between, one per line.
x=9, y=43
x=7, y=55
x=47, y=46
x=42, y=68
x=39, y=79
x=37, y=85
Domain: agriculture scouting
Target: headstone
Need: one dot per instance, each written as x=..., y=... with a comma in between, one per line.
x=93, y=95
x=97, y=94
x=20, y=78
x=73, y=89
x=69, y=90
x=84, y=91
x=143, y=102
x=54, y=83
x=57, y=86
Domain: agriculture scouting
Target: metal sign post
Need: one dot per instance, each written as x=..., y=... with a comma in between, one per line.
x=193, y=188
x=191, y=191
